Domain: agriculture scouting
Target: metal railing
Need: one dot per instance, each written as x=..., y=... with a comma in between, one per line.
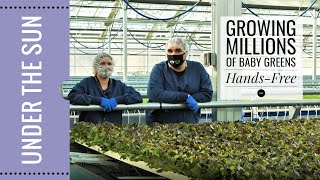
x=212, y=104
x=281, y=110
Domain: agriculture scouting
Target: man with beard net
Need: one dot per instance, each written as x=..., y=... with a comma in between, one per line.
x=178, y=80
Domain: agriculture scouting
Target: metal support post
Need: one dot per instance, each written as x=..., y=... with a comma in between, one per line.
x=314, y=43
x=214, y=78
x=223, y=8
x=109, y=40
x=125, y=54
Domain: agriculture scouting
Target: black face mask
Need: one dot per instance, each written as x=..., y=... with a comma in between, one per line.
x=175, y=60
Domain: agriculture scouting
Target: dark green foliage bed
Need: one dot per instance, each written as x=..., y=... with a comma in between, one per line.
x=225, y=150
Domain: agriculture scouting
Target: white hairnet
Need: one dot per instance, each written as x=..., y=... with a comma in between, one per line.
x=98, y=58
x=181, y=41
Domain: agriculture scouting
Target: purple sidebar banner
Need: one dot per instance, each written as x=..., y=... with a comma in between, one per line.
x=34, y=131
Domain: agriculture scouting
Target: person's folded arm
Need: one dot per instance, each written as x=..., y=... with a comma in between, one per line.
x=156, y=91
x=130, y=96
x=78, y=96
x=205, y=91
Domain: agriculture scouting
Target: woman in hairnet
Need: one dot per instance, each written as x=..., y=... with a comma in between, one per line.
x=102, y=90
x=178, y=80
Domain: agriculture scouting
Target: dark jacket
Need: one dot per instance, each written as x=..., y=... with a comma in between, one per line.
x=89, y=92
x=166, y=87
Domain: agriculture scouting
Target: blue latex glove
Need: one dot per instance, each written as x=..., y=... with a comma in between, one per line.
x=108, y=104
x=113, y=103
x=105, y=104
x=192, y=104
